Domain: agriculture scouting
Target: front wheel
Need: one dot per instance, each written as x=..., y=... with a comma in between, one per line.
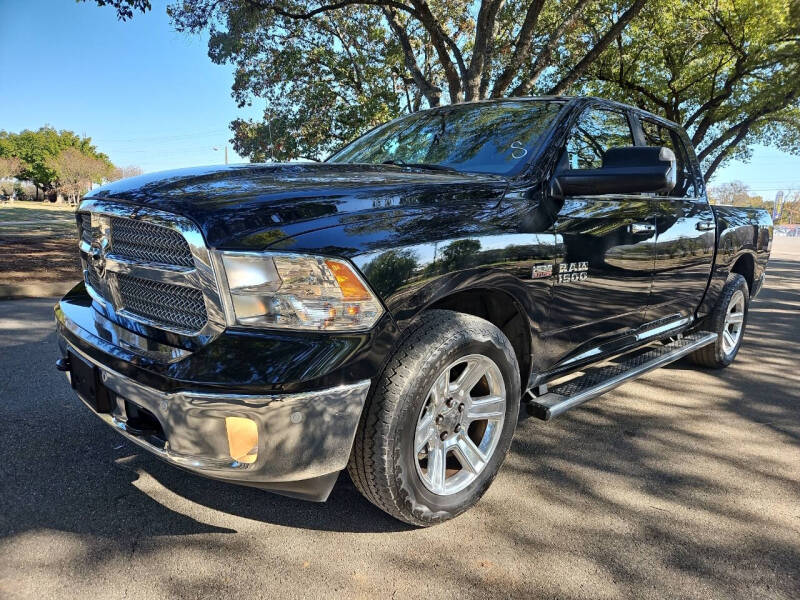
x=728, y=321
x=440, y=421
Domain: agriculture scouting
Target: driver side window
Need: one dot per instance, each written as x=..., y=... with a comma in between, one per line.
x=597, y=130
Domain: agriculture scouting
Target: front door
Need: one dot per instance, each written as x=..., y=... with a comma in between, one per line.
x=604, y=248
x=686, y=233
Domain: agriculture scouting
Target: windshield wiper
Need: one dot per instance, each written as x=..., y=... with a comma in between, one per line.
x=402, y=163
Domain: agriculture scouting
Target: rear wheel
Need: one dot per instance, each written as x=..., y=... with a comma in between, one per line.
x=728, y=321
x=440, y=421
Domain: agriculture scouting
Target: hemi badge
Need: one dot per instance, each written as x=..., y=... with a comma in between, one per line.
x=540, y=271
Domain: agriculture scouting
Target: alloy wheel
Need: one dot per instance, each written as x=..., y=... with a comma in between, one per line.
x=734, y=322
x=460, y=424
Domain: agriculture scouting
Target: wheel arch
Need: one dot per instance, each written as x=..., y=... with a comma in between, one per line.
x=502, y=310
x=745, y=266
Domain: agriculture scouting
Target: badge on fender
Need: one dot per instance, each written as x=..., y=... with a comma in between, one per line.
x=575, y=271
x=541, y=271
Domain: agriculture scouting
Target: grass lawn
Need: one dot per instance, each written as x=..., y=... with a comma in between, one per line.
x=38, y=243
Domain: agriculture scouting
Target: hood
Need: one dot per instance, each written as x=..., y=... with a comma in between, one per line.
x=253, y=206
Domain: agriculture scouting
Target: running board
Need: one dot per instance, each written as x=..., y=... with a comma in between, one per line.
x=599, y=380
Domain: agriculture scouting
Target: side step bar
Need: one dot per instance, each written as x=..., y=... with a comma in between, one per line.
x=599, y=380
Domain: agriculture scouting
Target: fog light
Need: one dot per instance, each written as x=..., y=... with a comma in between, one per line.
x=242, y=439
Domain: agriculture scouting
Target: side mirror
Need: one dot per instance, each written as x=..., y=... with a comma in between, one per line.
x=625, y=170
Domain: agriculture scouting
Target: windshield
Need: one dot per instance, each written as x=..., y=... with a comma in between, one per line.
x=495, y=138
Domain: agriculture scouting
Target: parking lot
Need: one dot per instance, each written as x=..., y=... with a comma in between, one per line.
x=683, y=484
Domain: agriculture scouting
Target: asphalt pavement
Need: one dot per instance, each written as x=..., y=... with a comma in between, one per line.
x=683, y=484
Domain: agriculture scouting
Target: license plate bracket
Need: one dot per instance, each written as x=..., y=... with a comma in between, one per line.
x=85, y=379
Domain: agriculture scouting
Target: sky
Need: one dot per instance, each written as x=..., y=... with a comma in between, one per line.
x=146, y=95
x=150, y=97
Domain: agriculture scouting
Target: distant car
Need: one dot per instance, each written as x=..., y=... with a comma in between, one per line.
x=388, y=310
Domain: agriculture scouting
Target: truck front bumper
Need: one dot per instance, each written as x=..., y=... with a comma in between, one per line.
x=222, y=411
x=293, y=444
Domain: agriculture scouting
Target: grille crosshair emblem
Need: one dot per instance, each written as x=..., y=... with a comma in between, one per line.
x=98, y=255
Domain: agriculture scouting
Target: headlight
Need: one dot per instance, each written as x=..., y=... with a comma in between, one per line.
x=291, y=291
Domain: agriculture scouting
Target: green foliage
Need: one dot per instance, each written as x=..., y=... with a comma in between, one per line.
x=322, y=82
x=728, y=70
x=390, y=270
x=124, y=8
x=328, y=72
x=37, y=149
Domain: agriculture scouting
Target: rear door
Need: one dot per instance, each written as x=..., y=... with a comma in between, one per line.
x=604, y=246
x=686, y=235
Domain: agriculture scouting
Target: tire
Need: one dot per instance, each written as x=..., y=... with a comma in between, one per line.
x=435, y=484
x=734, y=299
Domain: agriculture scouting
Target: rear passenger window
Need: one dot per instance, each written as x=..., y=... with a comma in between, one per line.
x=597, y=131
x=656, y=134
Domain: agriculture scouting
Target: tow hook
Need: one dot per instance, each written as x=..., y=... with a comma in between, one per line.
x=62, y=364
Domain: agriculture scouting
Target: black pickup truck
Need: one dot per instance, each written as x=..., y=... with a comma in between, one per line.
x=388, y=311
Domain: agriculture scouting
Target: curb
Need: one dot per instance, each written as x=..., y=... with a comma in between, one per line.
x=35, y=290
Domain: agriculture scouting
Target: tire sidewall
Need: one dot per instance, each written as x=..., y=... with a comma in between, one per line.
x=737, y=282
x=410, y=486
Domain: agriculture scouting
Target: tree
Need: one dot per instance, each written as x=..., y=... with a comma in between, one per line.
x=327, y=71
x=124, y=172
x=10, y=167
x=76, y=171
x=35, y=149
x=728, y=70
x=788, y=211
x=735, y=193
x=390, y=270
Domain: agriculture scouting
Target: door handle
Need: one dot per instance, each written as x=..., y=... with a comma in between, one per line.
x=641, y=228
x=705, y=225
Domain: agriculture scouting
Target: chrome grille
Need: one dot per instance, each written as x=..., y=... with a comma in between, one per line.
x=139, y=240
x=150, y=266
x=86, y=227
x=93, y=279
x=164, y=304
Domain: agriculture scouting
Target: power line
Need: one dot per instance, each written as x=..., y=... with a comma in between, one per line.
x=162, y=137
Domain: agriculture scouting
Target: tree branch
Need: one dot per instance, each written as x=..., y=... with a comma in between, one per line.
x=441, y=42
x=634, y=87
x=432, y=92
x=545, y=54
x=484, y=35
x=419, y=10
x=522, y=48
x=744, y=125
x=724, y=153
x=580, y=68
x=329, y=7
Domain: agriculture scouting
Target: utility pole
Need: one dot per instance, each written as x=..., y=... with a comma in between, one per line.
x=215, y=148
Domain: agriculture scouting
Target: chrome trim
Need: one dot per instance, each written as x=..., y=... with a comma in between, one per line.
x=203, y=276
x=110, y=332
x=300, y=436
x=583, y=356
x=174, y=274
x=655, y=331
x=641, y=228
x=643, y=335
x=555, y=405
